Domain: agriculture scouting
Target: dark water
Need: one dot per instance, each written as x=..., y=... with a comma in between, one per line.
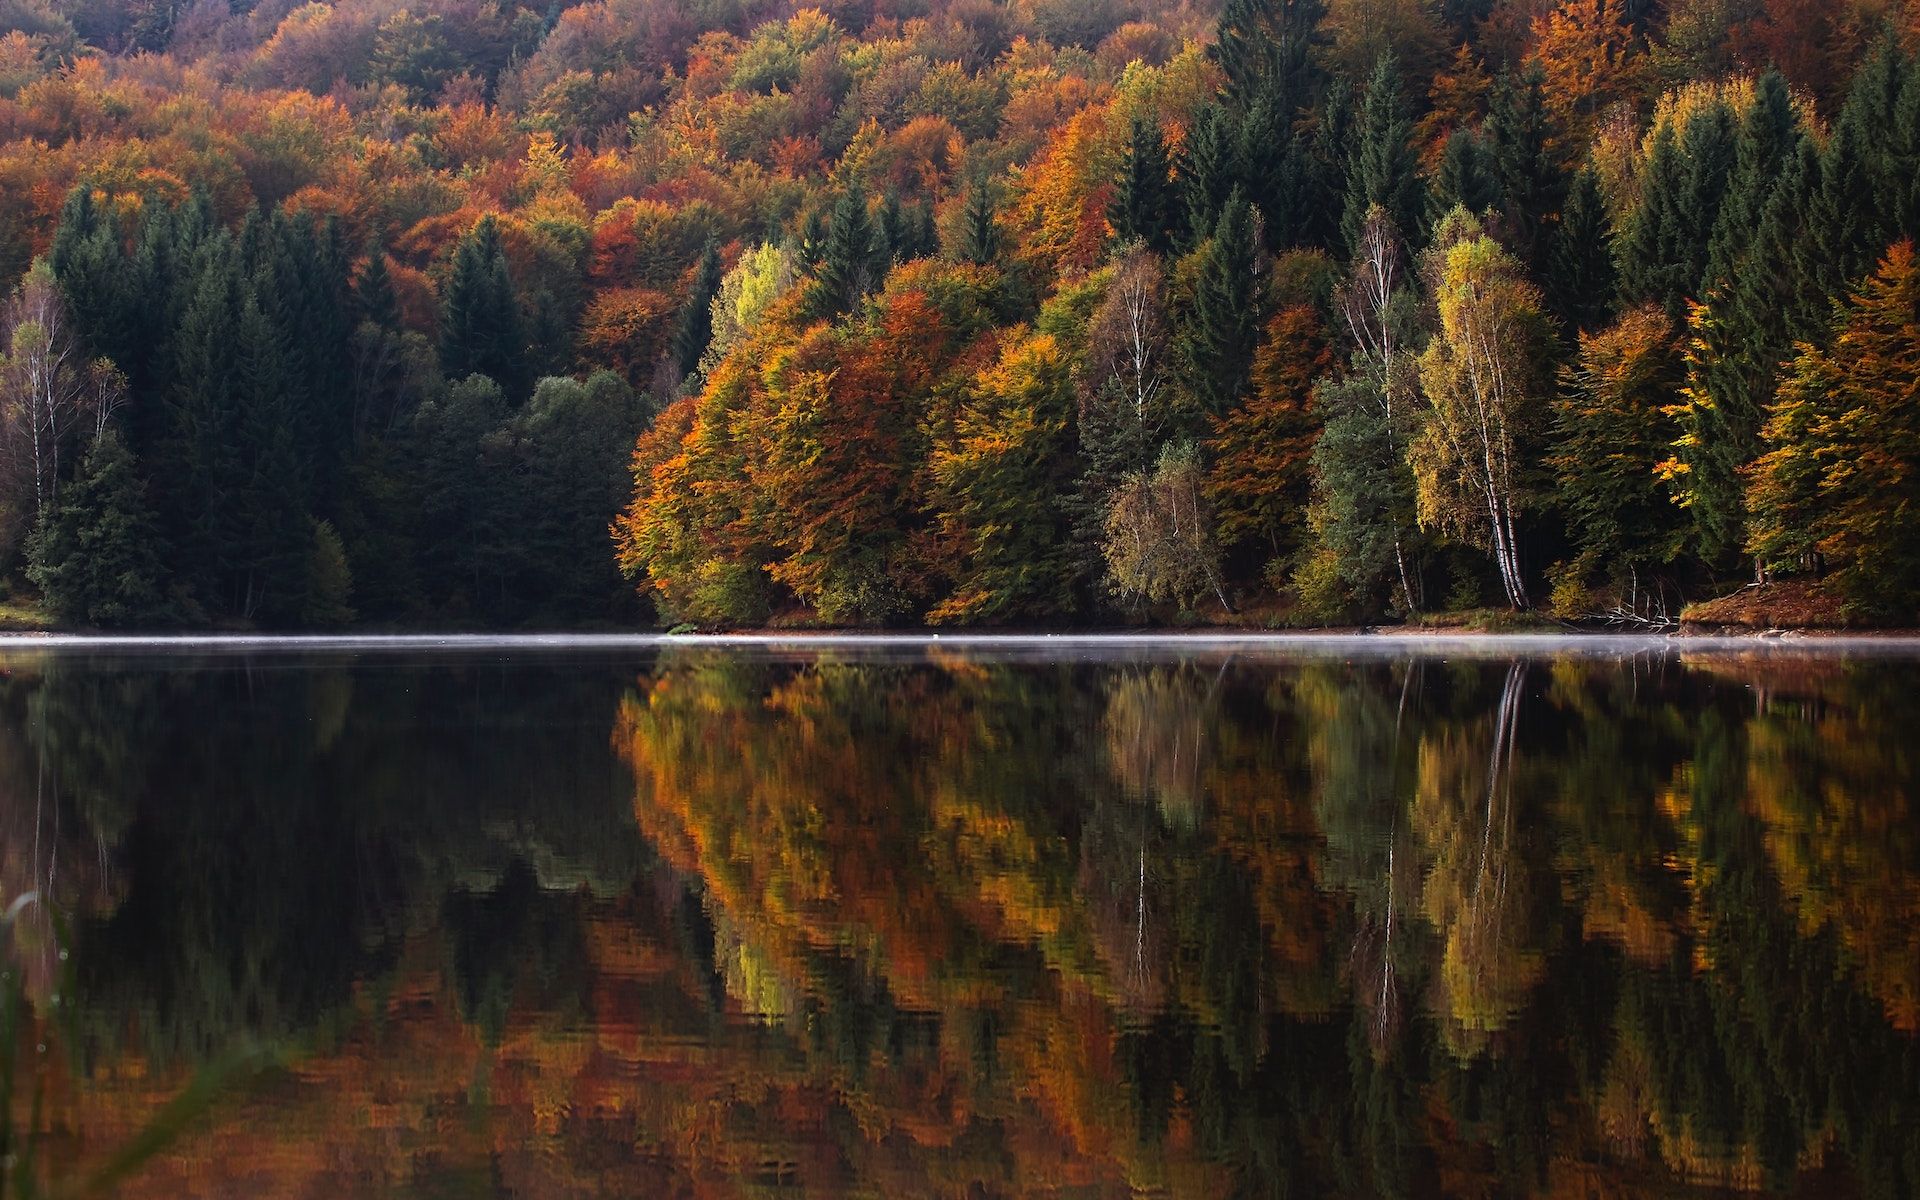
x=968, y=920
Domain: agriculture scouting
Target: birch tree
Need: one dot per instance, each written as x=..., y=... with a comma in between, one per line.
x=1481, y=377
x=49, y=391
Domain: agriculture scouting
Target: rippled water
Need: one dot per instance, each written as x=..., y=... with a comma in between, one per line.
x=967, y=917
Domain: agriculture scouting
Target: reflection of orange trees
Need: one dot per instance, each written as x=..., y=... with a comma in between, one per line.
x=1478, y=890
x=872, y=840
x=1825, y=776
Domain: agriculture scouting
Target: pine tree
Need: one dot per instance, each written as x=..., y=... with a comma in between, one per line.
x=980, y=243
x=1465, y=179
x=481, y=332
x=373, y=295
x=1737, y=343
x=1143, y=205
x=695, y=328
x=1842, y=478
x=91, y=265
x=1384, y=170
x=1844, y=231
x=98, y=559
x=1768, y=135
x=849, y=260
x=1223, y=324
x=1580, y=278
x=1209, y=169
x=1532, y=185
x=1275, y=165
x=1663, y=249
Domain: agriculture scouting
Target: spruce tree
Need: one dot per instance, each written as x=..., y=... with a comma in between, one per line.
x=1466, y=178
x=1740, y=338
x=1580, y=280
x=980, y=236
x=1768, y=134
x=1275, y=165
x=1384, y=170
x=695, y=328
x=1663, y=249
x=1844, y=231
x=89, y=261
x=1209, y=169
x=1223, y=324
x=481, y=331
x=97, y=560
x=849, y=268
x=1143, y=205
x=373, y=296
x=1532, y=185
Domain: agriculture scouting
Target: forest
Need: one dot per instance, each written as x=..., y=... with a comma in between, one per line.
x=895, y=312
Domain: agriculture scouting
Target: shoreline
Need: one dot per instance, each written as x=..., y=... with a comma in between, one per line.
x=1381, y=638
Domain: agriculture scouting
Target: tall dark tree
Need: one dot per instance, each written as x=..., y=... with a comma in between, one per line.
x=980, y=232
x=1223, y=323
x=1769, y=133
x=1580, y=280
x=481, y=331
x=850, y=265
x=1466, y=178
x=1209, y=168
x=695, y=328
x=1384, y=169
x=1663, y=249
x=1532, y=185
x=1144, y=204
x=97, y=560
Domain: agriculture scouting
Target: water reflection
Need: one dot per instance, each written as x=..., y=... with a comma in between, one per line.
x=976, y=921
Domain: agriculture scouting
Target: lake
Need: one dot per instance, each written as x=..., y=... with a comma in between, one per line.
x=965, y=917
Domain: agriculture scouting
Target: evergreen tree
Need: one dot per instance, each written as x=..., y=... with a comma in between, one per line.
x=97, y=560
x=695, y=328
x=1223, y=322
x=330, y=592
x=1143, y=205
x=1465, y=179
x=91, y=264
x=1768, y=135
x=1384, y=170
x=373, y=295
x=1844, y=231
x=480, y=326
x=1275, y=164
x=890, y=230
x=1580, y=280
x=849, y=266
x=980, y=244
x=1209, y=167
x=1663, y=249
x=1854, y=405
x=1532, y=184
x=1739, y=339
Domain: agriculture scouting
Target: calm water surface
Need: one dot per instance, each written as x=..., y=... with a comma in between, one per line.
x=968, y=919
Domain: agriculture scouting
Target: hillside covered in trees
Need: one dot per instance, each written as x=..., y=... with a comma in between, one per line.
x=954, y=311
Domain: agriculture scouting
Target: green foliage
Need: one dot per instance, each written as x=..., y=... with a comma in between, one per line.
x=1841, y=479
x=1221, y=327
x=850, y=263
x=1384, y=170
x=1143, y=205
x=481, y=331
x=330, y=580
x=98, y=559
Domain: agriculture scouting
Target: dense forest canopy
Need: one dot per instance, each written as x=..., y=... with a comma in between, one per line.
x=954, y=310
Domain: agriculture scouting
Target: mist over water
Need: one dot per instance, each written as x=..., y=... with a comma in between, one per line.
x=974, y=916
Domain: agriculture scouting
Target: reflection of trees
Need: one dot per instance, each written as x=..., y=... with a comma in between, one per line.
x=966, y=926
x=1477, y=890
x=274, y=830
